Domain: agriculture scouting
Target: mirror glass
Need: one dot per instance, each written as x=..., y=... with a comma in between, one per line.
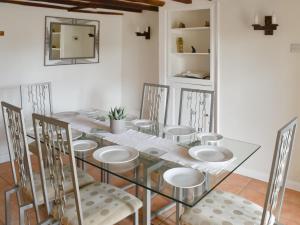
x=69, y=41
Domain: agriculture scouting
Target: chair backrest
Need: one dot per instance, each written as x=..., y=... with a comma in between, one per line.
x=58, y=150
x=9, y=94
x=196, y=109
x=279, y=171
x=36, y=98
x=155, y=102
x=18, y=150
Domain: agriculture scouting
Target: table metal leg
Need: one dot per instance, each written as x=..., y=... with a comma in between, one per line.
x=147, y=208
x=147, y=196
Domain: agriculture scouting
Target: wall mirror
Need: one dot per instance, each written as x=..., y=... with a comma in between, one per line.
x=71, y=41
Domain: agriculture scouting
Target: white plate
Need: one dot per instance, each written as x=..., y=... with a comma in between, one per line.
x=75, y=133
x=116, y=154
x=210, y=153
x=209, y=137
x=179, y=130
x=66, y=114
x=184, y=177
x=84, y=145
x=142, y=123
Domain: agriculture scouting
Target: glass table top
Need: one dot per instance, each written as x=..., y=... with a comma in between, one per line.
x=147, y=171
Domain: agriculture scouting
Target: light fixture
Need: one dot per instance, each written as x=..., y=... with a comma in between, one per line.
x=145, y=34
x=270, y=24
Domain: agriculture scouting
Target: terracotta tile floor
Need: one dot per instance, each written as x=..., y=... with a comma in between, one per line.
x=251, y=189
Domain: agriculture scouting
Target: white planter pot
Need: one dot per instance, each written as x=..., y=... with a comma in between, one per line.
x=117, y=126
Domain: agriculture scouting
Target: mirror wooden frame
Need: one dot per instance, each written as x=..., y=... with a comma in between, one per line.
x=72, y=21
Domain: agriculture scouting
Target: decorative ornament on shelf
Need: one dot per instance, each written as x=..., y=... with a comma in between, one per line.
x=146, y=34
x=1, y=33
x=179, y=44
x=193, y=49
x=117, y=119
x=270, y=24
x=181, y=25
x=207, y=24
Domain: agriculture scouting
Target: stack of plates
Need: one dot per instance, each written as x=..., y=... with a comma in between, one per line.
x=116, y=154
x=182, y=177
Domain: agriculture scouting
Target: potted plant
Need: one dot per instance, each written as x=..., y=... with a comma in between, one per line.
x=117, y=122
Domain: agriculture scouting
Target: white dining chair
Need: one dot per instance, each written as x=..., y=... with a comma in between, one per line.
x=155, y=102
x=27, y=183
x=95, y=204
x=20, y=164
x=222, y=208
x=196, y=109
x=36, y=98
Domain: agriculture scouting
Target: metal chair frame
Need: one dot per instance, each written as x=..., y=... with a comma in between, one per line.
x=56, y=149
x=279, y=171
x=197, y=91
x=155, y=106
x=19, y=154
x=37, y=96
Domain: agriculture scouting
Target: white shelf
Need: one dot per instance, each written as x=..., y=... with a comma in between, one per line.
x=187, y=80
x=191, y=53
x=176, y=30
x=55, y=33
x=56, y=49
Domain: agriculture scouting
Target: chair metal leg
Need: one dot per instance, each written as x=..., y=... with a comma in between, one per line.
x=7, y=195
x=136, y=218
x=22, y=211
x=177, y=213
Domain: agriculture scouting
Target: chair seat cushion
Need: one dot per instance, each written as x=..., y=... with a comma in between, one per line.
x=223, y=208
x=83, y=179
x=102, y=204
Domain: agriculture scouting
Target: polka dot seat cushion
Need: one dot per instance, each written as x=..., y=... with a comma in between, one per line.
x=83, y=179
x=102, y=204
x=222, y=208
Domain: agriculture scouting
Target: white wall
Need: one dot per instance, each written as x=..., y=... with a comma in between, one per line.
x=74, y=86
x=140, y=58
x=259, y=78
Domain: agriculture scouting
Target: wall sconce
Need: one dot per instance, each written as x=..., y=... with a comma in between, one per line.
x=145, y=34
x=1, y=33
x=270, y=24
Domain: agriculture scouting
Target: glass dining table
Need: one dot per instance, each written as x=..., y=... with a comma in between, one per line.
x=148, y=169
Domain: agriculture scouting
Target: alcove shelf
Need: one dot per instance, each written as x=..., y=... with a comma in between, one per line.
x=195, y=65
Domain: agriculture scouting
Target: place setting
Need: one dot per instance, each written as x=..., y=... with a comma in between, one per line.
x=84, y=145
x=75, y=133
x=143, y=123
x=117, y=158
x=115, y=154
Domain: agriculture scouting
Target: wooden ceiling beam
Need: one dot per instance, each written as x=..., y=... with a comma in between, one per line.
x=41, y=5
x=86, y=4
x=125, y=4
x=184, y=1
x=149, y=2
x=33, y=4
x=99, y=12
